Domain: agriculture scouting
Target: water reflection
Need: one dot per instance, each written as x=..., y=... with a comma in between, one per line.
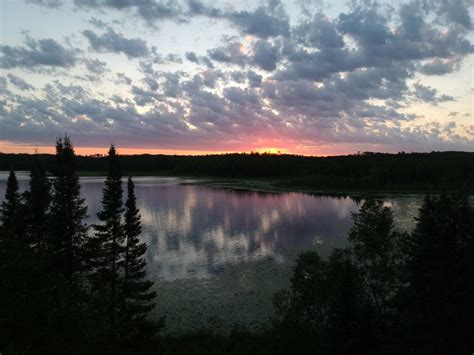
x=196, y=232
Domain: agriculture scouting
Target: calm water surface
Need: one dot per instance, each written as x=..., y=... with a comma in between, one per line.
x=217, y=256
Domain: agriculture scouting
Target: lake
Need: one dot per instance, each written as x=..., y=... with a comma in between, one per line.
x=217, y=256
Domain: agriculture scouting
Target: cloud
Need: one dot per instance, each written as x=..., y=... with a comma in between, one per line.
x=456, y=11
x=3, y=86
x=47, y=3
x=114, y=42
x=439, y=66
x=428, y=94
x=97, y=22
x=191, y=56
x=266, y=55
x=46, y=52
x=262, y=22
x=19, y=82
x=231, y=53
x=95, y=66
x=365, y=25
x=254, y=79
x=151, y=83
x=197, y=7
x=149, y=10
x=320, y=32
x=320, y=80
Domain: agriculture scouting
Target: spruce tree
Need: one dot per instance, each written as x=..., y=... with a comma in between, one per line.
x=440, y=274
x=374, y=243
x=68, y=231
x=107, y=244
x=37, y=201
x=137, y=299
x=11, y=206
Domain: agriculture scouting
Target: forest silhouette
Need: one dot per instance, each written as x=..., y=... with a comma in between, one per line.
x=426, y=172
x=68, y=287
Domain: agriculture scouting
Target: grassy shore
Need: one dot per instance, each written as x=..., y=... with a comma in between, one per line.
x=283, y=186
x=277, y=185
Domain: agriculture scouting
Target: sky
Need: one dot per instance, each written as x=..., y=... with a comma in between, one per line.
x=196, y=77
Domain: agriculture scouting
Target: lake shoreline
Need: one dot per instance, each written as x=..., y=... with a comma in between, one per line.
x=277, y=185
x=273, y=186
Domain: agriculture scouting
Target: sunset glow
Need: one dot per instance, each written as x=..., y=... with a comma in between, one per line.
x=214, y=77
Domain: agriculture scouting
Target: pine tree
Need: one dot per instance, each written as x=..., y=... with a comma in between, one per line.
x=375, y=247
x=68, y=231
x=137, y=299
x=11, y=206
x=440, y=274
x=107, y=244
x=37, y=201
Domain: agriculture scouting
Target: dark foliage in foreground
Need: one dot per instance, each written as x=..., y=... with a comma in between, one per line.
x=65, y=290
x=375, y=171
x=389, y=292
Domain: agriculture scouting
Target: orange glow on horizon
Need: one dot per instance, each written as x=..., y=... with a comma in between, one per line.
x=13, y=148
x=7, y=147
x=273, y=150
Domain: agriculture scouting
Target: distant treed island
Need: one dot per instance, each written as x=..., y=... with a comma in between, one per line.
x=72, y=288
x=436, y=171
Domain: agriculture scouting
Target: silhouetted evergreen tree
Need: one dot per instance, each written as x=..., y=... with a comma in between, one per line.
x=68, y=212
x=11, y=207
x=37, y=201
x=375, y=246
x=137, y=298
x=24, y=304
x=438, y=305
x=324, y=311
x=108, y=244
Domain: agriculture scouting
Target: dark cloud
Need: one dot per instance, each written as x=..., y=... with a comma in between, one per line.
x=123, y=79
x=19, y=82
x=428, y=94
x=3, y=86
x=174, y=58
x=95, y=66
x=114, y=42
x=98, y=22
x=192, y=57
x=320, y=32
x=151, y=83
x=439, y=66
x=149, y=10
x=366, y=25
x=340, y=80
x=261, y=22
x=37, y=52
x=254, y=79
x=47, y=3
x=197, y=7
x=229, y=54
x=171, y=86
x=456, y=11
x=240, y=96
x=144, y=97
x=315, y=65
x=266, y=55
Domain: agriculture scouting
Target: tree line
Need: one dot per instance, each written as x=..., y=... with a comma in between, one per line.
x=67, y=287
x=434, y=171
x=389, y=292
